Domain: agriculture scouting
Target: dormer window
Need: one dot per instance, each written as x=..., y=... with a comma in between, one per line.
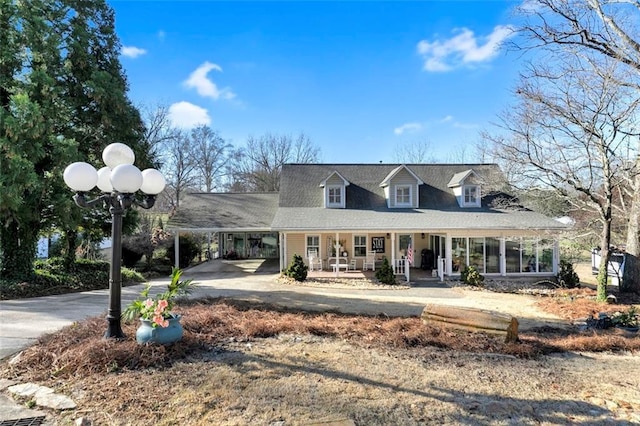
x=403, y=196
x=471, y=196
x=401, y=188
x=335, y=191
x=466, y=187
x=334, y=194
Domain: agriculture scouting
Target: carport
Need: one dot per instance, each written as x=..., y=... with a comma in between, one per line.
x=242, y=222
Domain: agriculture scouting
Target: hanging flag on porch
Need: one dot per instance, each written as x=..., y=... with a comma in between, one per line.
x=410, y=255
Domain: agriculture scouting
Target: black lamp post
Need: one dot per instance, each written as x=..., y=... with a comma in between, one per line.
x=119, y=182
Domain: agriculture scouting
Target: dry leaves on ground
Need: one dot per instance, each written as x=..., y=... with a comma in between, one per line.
x=248, y=363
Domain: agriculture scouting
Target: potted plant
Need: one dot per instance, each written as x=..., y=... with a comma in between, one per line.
x=158, y=323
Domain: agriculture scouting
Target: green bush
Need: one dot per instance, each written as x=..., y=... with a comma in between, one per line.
x=297, y=269
x=130, y=257
x=631, y=318
x=131, y=275
x=567, y=277
x=189, y=249
x=385, y=274
x=471, y=276
x=50, y=277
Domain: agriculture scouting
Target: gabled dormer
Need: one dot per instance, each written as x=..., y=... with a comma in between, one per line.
x=467, y=188
x=401, y=188
x=335, y=191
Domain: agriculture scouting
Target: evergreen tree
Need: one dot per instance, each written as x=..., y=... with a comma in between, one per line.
x=62, y=99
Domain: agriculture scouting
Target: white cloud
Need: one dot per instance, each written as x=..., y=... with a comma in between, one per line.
x=407, y=127
x=451, y=121
x=462, y=49
x=161, y=35
x=204, y=86
x=187, y=115
x=132, y=51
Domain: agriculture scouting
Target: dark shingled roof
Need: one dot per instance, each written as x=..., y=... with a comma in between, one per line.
x=225, y=211
x=301, y=200
x=299, y=205
x=299, y=183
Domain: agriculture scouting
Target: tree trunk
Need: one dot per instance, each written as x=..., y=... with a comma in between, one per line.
x=71, y=237
x=605, y=255
x=631, y=274
x=17, y=251
x=472, y=319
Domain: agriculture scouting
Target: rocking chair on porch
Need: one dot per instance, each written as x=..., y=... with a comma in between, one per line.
x=314, y=261
x=369, y=261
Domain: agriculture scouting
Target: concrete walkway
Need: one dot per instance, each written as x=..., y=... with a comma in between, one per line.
x=22, y=321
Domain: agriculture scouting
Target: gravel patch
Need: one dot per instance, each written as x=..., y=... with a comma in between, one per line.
x=533, y=288
x=342, y=282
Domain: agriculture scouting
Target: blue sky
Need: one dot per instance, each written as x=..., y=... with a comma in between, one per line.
x=359, y=78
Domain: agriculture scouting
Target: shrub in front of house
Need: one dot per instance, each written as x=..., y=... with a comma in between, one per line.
x=189, y=249
x=130, y=257
x=297, y=268
x=50, y=277
x=471, y=276
x=385, y=274
x=567, y=277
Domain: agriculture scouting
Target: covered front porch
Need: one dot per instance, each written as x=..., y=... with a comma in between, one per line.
x=441, y=252
x=415, y=274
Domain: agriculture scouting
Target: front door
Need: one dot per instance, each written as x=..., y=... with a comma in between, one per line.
x=437, y=245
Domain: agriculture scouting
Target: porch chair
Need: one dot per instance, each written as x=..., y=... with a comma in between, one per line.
x=369, y=261
x=353, y=265
x=314, y=261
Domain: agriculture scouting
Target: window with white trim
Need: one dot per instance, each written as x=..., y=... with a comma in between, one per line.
x=313, y=244
x=471, y=195
x=359, y=245
x=334, y=196
x=403, y=195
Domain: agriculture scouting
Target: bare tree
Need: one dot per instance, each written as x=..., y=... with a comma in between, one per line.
x=257, y=166
x=179, y=167
x=209, y=154
x=159, y=131
x=570, y=132
x=604, y=28
x=414, y=152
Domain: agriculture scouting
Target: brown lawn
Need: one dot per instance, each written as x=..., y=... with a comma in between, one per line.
x=241, y=363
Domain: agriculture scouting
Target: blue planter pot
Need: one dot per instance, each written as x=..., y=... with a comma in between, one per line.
x=146, y=333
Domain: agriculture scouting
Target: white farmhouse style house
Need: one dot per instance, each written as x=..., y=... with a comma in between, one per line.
x=432, y=216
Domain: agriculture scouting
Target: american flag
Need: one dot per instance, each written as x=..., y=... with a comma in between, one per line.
x=410, y=255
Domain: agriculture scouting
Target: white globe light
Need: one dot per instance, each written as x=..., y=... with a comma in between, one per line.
x=152, y=181
x=126, y=178
x=80, y=176
x=104, y=179
x=117, y=153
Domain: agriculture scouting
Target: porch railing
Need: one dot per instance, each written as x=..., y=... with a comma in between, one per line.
x=399, y=267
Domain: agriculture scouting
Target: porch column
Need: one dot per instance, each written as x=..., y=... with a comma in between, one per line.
x=337, y=247
x=447, y=255
x=556, y=256
x=176, y=249
x=503, y=257
x=283, y=249
x=393, y=251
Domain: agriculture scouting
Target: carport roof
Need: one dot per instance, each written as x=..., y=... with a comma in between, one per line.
x=221, y=212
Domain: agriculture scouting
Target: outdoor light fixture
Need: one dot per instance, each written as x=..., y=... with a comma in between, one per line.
x=119, y=181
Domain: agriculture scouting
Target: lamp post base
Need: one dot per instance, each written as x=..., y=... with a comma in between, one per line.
x=114, y=330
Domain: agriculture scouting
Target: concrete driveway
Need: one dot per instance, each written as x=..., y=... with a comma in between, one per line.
x=22, y=321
